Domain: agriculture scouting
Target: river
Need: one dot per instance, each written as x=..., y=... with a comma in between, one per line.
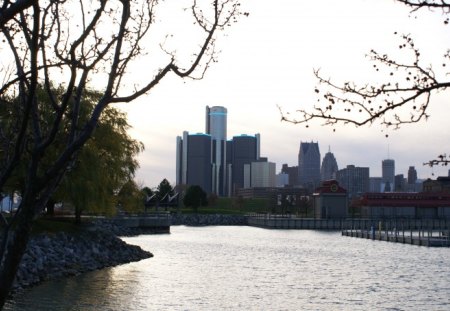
x=246, y=268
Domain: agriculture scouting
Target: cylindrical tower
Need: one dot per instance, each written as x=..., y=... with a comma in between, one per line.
x=216, y=126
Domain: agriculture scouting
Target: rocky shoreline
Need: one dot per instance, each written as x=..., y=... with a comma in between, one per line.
x=51, y=256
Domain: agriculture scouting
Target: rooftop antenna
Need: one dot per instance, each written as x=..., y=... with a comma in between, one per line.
x=388, y=152
x=329, y=149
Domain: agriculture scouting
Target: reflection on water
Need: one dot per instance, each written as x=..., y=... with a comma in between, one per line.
x=235, y=268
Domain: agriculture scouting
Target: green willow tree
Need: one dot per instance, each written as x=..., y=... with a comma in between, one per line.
x=130, y=198
x=104, y=165
x=77, y=42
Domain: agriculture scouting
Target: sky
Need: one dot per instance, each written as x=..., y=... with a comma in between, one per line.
x=267, y=59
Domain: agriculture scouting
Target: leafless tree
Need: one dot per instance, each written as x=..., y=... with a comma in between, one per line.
x=68, y=44
x=404, y=97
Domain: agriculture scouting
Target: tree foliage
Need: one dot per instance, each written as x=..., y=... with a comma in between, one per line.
x=195, y=197
x=77, y=42
x=130, y=198
x=164, y=188
x=104, y=165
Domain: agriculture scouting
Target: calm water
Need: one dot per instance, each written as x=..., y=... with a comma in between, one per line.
x=244, y=268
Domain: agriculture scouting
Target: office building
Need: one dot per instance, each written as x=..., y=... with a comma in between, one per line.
x=194, y=160
x=309, y=165
x=388, y=175
x=216, y=127
x=243, y=149
x=375, y=184
x=292, y=172
x=260, y=174
x=354, y=179
x=400, y=183
x=329, y=167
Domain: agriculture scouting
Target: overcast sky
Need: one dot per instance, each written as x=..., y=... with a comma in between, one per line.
x=267, y=59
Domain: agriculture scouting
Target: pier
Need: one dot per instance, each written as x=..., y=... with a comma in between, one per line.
x=423, y=237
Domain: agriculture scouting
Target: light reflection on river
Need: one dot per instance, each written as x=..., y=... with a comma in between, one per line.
x=237, y=268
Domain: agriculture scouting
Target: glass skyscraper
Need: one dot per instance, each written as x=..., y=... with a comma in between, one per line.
x=216, y=126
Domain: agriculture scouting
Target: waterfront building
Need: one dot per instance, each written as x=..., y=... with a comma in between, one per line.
x=354, y=179
x=309, y=165
x=388, y=175
x=405, y=205
x=330, y=201
x=329, y=167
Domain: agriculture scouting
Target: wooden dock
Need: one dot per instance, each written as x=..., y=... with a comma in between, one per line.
x=273, y=221
x=423, y=237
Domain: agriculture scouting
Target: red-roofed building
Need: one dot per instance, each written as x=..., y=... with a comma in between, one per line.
x=330, y=200
x=429, y=205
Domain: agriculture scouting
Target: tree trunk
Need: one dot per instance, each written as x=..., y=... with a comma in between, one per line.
x=50, y=207
x=78, y=215
x=14, y=243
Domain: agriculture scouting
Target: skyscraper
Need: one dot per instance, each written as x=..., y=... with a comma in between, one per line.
x=329, y=167
x=194, y=160
x=243, y=149
x=216, y=126
x=309, y=165
x=412, y=175
x=388, y=175
x=212, y=162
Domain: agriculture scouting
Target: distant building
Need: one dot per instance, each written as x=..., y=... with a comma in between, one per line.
x=260, y=174
x=292, y=171
x=354, y=179
x=282, y=180
x=216, y=127
x=412, y=181
x=309, y=165
x=242, y=150
x=194, y=160
x=412, y=175
x=375, y=184
x=222, y=169
x=330, y=201
x=388, y=175
x=329, y=167
x=440, y=185
x=400, y=183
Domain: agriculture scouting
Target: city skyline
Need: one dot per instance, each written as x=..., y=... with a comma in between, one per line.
x=265, y=65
